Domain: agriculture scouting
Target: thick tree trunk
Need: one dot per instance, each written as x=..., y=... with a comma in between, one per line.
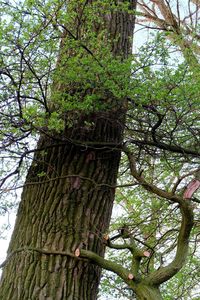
x=67, y=202
x=61, y=215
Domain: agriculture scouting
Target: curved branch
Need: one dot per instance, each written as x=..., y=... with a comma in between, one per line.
x=183, y=177
x=164, y=273
x=148, y=186
x=157, y=125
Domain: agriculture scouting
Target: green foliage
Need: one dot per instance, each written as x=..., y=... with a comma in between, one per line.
x=52, y=73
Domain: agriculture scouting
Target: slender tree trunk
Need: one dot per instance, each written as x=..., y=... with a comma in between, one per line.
x=67, y=201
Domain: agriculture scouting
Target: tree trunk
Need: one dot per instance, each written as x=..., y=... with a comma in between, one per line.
x=61, y=215
x=67, y=202
x=146, y=292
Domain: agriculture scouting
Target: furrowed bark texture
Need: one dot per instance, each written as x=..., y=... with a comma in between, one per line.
x=62, y=215
x=70, y=206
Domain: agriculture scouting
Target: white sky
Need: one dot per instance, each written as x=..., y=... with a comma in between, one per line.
x=4, y=242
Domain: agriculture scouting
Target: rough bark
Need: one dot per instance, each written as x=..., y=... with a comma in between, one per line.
x=70, y=206
x=61, y=215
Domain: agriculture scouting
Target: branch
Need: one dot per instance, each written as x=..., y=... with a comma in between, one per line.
x=107, y=265
x=137, y=253
x=156, y=126
x=130, y=246
x=30, y=249
x=146, y=185
x=164, y=273
x=172, y=23
x=167, y=147
x=183, y=177
x=191, y=188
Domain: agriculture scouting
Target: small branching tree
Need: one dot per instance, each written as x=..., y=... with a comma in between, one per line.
x=162, y=157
